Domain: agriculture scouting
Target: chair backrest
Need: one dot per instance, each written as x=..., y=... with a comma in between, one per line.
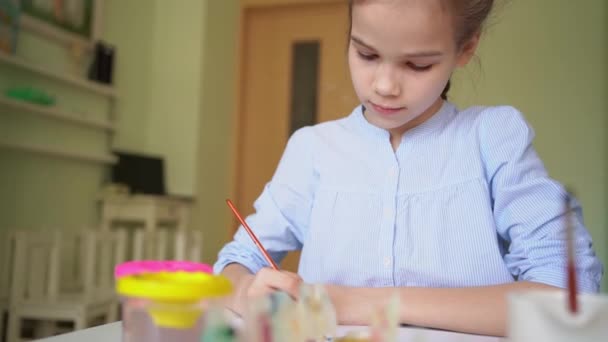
x=150, y=245
x=188, y=245
x=167, y=245
x=35, y=267
x=101, y=251
x=37, y=260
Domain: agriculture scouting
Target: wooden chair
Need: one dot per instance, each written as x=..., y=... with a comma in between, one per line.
x=35, y=281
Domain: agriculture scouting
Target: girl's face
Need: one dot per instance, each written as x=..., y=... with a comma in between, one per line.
x=401, y=55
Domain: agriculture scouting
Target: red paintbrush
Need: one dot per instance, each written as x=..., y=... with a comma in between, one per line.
x=571, y=269
x=252, y=235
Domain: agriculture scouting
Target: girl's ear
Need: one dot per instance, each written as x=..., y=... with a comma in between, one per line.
x=468, y=50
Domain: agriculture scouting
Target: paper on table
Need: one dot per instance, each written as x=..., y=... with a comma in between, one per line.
x=403, y=334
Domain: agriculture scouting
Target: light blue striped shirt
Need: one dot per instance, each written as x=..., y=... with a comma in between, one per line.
x=464, y=201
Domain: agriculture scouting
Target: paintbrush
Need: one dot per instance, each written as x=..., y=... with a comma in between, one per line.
x=252, y=235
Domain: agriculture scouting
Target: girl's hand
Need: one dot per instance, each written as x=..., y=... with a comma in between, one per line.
x=268, y=280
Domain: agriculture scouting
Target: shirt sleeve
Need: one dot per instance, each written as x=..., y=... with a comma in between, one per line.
x=282, y=211
x=529, y=207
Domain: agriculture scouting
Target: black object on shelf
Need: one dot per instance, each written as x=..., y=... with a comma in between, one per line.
x=102, y=68
x=141, y=173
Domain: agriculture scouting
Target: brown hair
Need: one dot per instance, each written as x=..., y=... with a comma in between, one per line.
x=469, y=18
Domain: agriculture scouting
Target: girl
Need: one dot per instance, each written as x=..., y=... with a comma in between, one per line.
x=451, y=208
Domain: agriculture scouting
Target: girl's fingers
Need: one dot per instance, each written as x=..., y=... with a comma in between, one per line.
x=268, y=280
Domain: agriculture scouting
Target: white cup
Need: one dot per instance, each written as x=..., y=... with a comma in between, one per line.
x=544, y=316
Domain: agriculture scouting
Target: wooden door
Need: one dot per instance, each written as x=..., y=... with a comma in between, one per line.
x=294, y=72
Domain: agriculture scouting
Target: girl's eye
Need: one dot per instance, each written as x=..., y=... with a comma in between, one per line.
x=419, y=67
x=366, y=56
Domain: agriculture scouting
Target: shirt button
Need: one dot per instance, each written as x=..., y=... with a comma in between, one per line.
x=392, y=171
x=387, y=261
x=388, y=212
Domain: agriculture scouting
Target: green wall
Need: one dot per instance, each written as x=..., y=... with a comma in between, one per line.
x=216, y=127
x=159, y=46
x=549, y=58
x=130, y=26
x=176, y=90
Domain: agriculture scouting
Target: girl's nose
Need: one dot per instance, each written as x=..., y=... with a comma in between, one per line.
x=385, y=82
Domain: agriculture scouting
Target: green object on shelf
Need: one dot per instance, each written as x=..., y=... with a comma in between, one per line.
x=31, y=95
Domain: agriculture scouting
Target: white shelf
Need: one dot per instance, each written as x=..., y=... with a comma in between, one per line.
x=95, y=87
x=51, y=152
x=51, y=32
x=55, y=113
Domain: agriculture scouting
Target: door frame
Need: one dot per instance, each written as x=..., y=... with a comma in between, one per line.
x=239, y=91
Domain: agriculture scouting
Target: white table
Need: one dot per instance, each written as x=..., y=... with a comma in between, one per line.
x=145, y=209
x=112, y=333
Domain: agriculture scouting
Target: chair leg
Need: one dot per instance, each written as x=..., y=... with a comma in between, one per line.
x=80, y=323
x=112, y=314
x=45, y=329
x=13, y=333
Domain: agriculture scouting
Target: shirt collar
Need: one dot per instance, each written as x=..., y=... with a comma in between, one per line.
x=434, y=123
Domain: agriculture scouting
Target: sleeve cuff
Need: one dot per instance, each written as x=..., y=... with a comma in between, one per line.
x=587, y=282
x=240, y=255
